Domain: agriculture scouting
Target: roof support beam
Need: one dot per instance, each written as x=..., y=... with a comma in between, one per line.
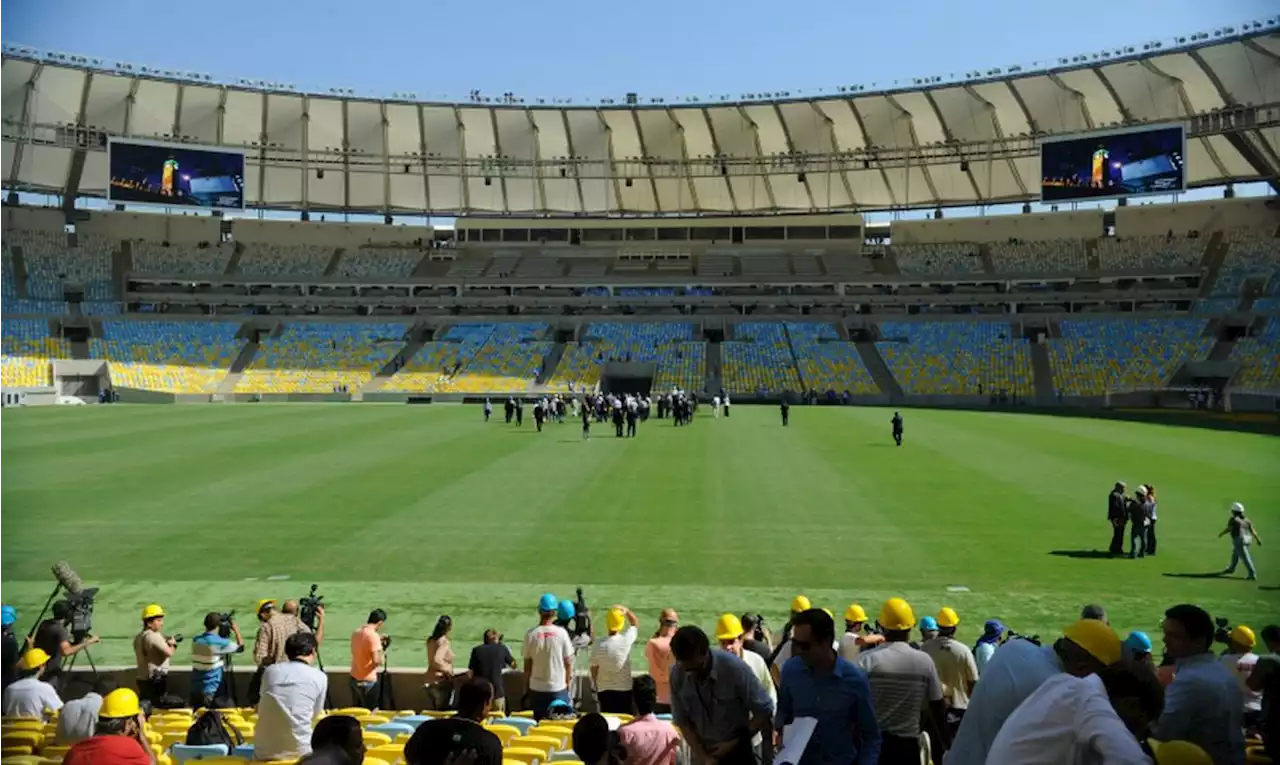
x=610, y=166
x=1237, y=141
x=884, y=176
x=1078, y=96
x=422, y=155
x=1111, y=91
x=20, y=149
x=1190, y=111
x=791, y=148
x=1022, y=104
x=221, y=120
x=947, y=134
x=684, y=160
x=755, y=135
x=721, y=160
x=537, y=166
x=573, y=161
x=130, y=101
x=835, y=152
x=386, y=158
x=647, y=160
x=346, y=151
x=464, y=188
x=995, y=124
x=915, y=142
x=501, y=160
x=71, y=187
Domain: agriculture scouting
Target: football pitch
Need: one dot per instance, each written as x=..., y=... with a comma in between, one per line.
x=427, y=510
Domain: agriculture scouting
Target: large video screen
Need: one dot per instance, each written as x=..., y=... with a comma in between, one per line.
x=1114, y=164
x=175, y=175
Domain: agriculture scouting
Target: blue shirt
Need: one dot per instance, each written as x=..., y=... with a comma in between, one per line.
x=1204, y=705
x=718, y=707
x=840, y=701
x=1013, y=673
x=207, y=651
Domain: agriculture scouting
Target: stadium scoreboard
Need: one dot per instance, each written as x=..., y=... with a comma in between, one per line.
x=175, y=175
x=1115, y=163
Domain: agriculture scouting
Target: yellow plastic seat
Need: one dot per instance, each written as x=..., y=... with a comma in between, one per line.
x=31, y=738
x=15, y=751
x=20, y=723
x=353, y=711
x=55, y=751
x=373, y=738
x=504, y=732
x=392, y=754
x=557, y=731
x=525, y=713
x=546, y=743
x=438, y=713
x=524, y=755
x=368, y=720
x=374, y=761
x=24, y=759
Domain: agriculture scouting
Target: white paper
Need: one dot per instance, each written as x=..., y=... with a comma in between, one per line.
x=795, y=737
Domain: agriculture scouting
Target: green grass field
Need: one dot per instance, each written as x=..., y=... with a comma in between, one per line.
x=426, y=510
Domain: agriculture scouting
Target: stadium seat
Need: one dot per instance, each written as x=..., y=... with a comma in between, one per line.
x=679, y=358
x=950, y=358
x=522, y=724
x=379, y=263
x=26, y=350
x=951, y=258
x=827, y=363
x=507, y=359
x=53, y=263
x=504, y=732
x=1150, y=253
x=373, y=738
x=525, y=754
x=202, y=259
x=1259, y=360
x=392, y=754
x=1060, y=256
x=168, y=356
x=183, y=752
x=260, y=259
x=391, y=729
x=1100, y=355
x=759, y=360
x=321, y=357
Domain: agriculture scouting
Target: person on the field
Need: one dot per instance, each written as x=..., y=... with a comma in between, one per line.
x=539, y=414
x=1137, y=508
x=1116, y=515
x=633, y=414
x=1243, y=534
x=1152, y=517
x=715, y=406
x=488, y=408
x=519, y=412
x=896, y=422
x=509, y=408
x=957, y=669
x=726, y=403
x=586, y=422
x=617, y=419
x=785, y=408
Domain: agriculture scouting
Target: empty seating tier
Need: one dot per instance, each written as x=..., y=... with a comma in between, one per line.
x=507, y=360
x=52, y=264
x=168, y=356
x=1249, y=255
x=281, y=260
x=759, y=360
x=827, y=363
x=316, y=357
x=186, y=259
x=679, y=359
x=27, y=352
x=1097, y=356
x=379, y=263
x=1259, y=360
x=1053, y=256
x=949, y=259
x=956, y=358
x=1151, y=253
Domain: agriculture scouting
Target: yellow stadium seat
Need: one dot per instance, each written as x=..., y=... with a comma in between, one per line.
x=14, y=751
x=524, y=754
x=18, y=723
x=525, y=713
x=31, y=738
x=546, y=743
x=24, y=759
x=372, y=738
x=356, y=712
x=367, y=720
x=374, y=761
x=392, y=754
x=504, y=732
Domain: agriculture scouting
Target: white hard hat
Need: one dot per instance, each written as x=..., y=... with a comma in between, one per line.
x=1237, y=508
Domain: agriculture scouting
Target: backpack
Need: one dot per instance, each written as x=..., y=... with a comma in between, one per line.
x=211, y=728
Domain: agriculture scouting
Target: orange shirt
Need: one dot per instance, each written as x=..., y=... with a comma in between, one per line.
x=658, y=653
x=365, y=645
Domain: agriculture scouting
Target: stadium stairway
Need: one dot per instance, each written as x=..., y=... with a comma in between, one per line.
x=874, y=362
x=233, y=263
x=80, y=350
x=1254, y=288
x=888, y=265
x=1221, y=350
x=1042, y=372
x=988, y=265
x=332, y=267
x=550, y=363
x=1091, y=256
x=714, y=365
x=236, y=370
x=1214, y=254
x=416, y=338
x=121, y=264
x=20, y=272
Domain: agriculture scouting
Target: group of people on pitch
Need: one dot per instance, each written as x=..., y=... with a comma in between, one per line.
x=1140, y=512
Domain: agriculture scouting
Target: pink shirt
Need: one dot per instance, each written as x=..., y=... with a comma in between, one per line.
x=658, y=653
x=649, y=741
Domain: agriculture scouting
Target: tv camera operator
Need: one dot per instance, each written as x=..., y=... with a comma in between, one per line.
x=368, y=660
x=207, y=652
x=53, y=636
x=277, y=626
x=153, y=652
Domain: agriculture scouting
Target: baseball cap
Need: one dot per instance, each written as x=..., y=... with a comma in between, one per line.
x=8, y=615
x=548, y=602
x=565, y=610
x=928, y=624
x=1095, y=637
x=1140, y=490
x=1138, y=642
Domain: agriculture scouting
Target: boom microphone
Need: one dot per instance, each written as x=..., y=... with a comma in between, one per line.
x=67, y=577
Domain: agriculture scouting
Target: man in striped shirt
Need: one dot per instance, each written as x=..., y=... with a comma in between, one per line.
x=207, y=651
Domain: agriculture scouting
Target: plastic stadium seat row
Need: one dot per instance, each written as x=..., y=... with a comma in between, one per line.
x=759, y=360
x=1269, y=304
x=827, y=363
x=1259, y=360
x=1095, y=356
x=53, y=263
x=27, y=305
x=102, y=308
x=188, y=259
x=1150, y=253
x=281, y=260
x=168, y=356
x=970, y=358
x=27, y=350
x=1214, y=306
x=1049, y=256
x=379, y=262
x=315, y=357
x=508, y=361
x=431, y=367
x=679, y=358
x=1249, y=255
x=938, y=258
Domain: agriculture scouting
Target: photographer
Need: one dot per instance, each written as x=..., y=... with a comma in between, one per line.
x=119, y=737
x=52, y=638
x=367, y=657
x=274, y=630
x=296, y=616
x=207, y=650
x=489, y=661
x=153, y=652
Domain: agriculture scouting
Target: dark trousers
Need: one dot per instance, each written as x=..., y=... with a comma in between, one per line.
x=255, y=686
x=616, y=702
x=785, y=418
x=1151, y=537
x=899, y=750
x=151, y=690
x=897, y=437
x=743, y=754
x=1117, y=538
x=631, y=429
x=363, y=693
x=540, y=700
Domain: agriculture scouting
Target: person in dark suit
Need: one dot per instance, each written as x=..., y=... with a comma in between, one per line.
x=1116, y=515
x=785, y=407
x=897, y=428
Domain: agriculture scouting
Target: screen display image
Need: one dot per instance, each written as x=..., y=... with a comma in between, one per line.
x=1126, y=163
x=178, y=176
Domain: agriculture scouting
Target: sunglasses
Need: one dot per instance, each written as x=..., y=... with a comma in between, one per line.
x=669, y=622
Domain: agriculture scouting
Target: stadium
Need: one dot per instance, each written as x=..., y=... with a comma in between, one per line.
x=219, y=387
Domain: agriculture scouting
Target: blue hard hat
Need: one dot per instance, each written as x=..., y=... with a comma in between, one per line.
x=8, y=615
x=928, y=624
x=548, y=602
x=1138, y=642
x=566, y=610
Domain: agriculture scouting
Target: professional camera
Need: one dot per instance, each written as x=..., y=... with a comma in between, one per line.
x=1012, y=635
x=386, y=641
x=581, y=617
x=178, y=638
x=224, y=624
x=760, y=632
x=309, y=606
x=1222, y=631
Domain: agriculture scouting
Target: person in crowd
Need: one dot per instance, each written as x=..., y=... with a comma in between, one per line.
x=1240, y=659
x=855, y=639
x=274, y=630
x=566, y=616
x=53, y=638
x=817, y=683
x=291, y=612
x=957, y=669
x=1243, y=535
x=657, y=654
x=715, y=406
x=548, y=659
x=337, y=740
x=586, y=422
x=648, y=740
x=519, y=412
x=985, y=648
x=440, y=741
x=488, y=408
x=928, y=630
x=440, y=658
x=1153, y=515
x=119, y=738
x=1016, y=670
x=1137, y=507
x=1137, y=648
x=596, y=744
x=12, y=648
x=539, y=414
x=896, y=422
x=1116, y=516
x=729, y=636
x=1095, y=612
x=366, y=659
x=509, y=408
x=29, y=695
x=716, y=702
x=903, y=682
x=207, y=650
x=610, y=663
x=782, y=652
x=293, y=694
x=1203, y=704
x=1265, y=679
x=489, y=660
x=1096, y=718
x=751, y=628
x=79, y=718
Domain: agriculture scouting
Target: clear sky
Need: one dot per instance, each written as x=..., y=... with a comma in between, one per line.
x=587, y=50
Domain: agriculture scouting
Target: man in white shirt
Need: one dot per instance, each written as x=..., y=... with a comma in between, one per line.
x=29, y=696
x=78, y=720
x=548, y=659
x=293, y=694
x=611, y=661
x=715, y=406
x=1070, y=720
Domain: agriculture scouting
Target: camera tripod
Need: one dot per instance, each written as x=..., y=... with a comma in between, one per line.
x=386, y=688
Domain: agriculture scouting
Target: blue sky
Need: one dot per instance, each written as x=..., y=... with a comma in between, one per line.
x=588, y=50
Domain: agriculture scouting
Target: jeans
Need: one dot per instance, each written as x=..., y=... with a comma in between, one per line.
x=540, y=700
x=1151, y=537
x=1137, y=542
x=364, y=693
x=1240, y=552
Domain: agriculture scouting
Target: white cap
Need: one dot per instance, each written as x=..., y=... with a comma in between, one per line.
x=1122, y=483
x=1140, y=490
x=1237, y=508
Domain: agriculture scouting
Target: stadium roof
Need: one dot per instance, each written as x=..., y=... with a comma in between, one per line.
x=972, y=141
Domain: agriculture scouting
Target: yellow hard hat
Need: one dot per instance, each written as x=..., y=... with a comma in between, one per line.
x=827, y=611
x=896, y=614
x=122, y=702
x=265, y=603
x=1244, y=636
x=615, y=620
x=728, y=627
x=152, y=611
x=1097, y=638
x=855, y=613
x=34, y=658
x=1178, y=753
x=800, y=603
x=947, y=617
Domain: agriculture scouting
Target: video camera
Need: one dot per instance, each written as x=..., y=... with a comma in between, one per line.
x=581, y=617
x=1011, y=635
x=386, y=641
x=759, y=633
x=224, y=624
x=308, y=608
x=1222, y=630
